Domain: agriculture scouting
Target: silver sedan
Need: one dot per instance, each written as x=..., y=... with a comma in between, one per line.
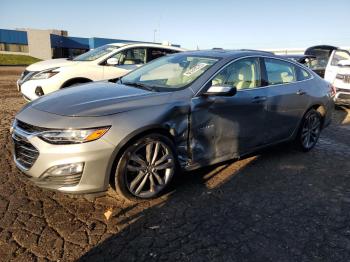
x=179, y=112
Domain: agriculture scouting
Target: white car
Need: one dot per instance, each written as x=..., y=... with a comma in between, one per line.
x=338, y=74
x=103, y=63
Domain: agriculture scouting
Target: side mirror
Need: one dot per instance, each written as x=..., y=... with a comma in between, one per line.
x=112, y=61
x=221, y=91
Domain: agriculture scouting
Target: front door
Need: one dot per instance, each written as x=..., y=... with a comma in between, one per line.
x=224, y=127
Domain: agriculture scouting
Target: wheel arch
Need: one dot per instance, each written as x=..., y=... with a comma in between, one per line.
x=319, y=108
x=137, y=134
x=75, y=80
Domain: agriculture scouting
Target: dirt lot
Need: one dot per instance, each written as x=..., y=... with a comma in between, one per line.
x=282, y=205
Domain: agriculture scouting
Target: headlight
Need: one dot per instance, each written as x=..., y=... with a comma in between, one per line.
x=340, y=76
x=45, y=74
x=72, y=136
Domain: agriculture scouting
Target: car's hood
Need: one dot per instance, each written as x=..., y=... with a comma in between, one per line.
x=344, y=63
x=98, y=99
x=52, y=63
x=343, y=70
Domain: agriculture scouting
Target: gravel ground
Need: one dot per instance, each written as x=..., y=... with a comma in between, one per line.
x=281, y=205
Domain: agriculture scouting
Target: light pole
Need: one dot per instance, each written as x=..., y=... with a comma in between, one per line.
x=154, y=35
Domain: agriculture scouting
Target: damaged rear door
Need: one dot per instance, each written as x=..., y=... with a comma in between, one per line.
x=223, y=127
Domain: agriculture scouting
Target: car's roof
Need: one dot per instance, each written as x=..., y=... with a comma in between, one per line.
x=147, y=45
x=298, y=56
x=118, y=44
x=226, y=53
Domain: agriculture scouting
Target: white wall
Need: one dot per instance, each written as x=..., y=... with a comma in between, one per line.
x=39, y=44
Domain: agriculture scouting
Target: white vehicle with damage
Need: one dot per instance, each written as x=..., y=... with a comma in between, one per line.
x=107, y=62
x=338, y=74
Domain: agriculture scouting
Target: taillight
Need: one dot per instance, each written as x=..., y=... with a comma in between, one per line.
x=332, y=90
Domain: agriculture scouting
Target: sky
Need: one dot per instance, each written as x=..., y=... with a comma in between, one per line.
x=255, y=24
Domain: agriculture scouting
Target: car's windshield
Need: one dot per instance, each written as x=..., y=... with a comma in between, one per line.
x=96, y=53
x=169, y=73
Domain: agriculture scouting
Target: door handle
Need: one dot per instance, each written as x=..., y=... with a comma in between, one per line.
x=301, y=92
x=259, y=99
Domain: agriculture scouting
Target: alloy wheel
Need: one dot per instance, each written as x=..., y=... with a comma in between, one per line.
x=310, y=131
x=149, y=169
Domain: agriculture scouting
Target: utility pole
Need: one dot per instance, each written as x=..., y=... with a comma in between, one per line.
x=154, y=35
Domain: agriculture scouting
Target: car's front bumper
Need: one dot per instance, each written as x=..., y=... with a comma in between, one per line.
x=95, y=155
x=28, y=88
x=342, y=98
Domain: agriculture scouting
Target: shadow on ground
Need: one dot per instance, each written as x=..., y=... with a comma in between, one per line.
x=280, y=206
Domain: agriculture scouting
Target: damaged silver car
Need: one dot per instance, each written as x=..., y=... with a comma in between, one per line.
x=179, y=112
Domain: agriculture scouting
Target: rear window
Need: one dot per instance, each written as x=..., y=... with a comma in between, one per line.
x=302, y=74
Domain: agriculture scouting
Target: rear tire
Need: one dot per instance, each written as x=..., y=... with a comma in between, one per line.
x=145, y=168
x=309, y=131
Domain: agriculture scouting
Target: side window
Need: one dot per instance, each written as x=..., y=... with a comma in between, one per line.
x=340, y=55
x=154, y=53
x=280, y=72
x=302, y=74
x=132, y=56
x=242, y=74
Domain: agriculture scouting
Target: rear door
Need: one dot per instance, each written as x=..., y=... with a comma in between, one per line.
x=287, y=97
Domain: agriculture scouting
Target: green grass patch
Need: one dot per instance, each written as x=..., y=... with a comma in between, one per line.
x=6, y=59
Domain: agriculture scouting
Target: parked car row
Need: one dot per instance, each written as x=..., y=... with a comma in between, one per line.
x=179, y=112
x=331, y=63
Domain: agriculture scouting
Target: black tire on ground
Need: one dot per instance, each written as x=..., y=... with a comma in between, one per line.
x=309, y=130
x=126, y=173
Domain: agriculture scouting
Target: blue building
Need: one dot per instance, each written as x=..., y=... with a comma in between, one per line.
x=46, y=44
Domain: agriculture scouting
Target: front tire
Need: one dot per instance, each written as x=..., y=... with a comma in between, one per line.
x=145, y=168
x=310, y=130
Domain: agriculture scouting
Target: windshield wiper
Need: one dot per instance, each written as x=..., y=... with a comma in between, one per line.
x=140, y=85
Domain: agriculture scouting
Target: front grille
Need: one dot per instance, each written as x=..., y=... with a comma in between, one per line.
x=25, y=153
x=344, y=96
x=29, y=128
x=343, y=90
x=24, y=74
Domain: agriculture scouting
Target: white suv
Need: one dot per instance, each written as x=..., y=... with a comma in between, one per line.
x=103, y=63
x=338, y=74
